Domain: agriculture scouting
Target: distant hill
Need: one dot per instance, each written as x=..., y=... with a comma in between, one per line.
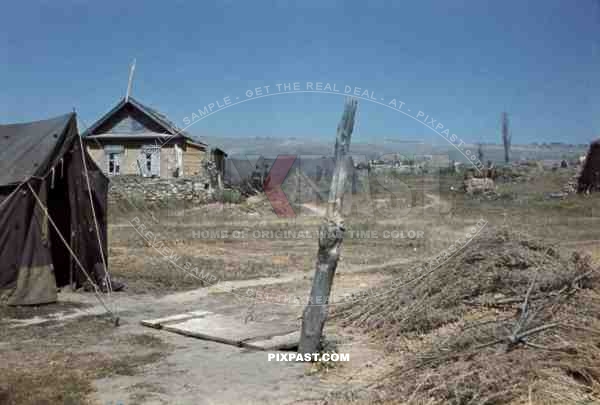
x=253, y=147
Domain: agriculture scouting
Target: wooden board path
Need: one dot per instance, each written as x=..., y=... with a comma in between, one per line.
x=229, y=330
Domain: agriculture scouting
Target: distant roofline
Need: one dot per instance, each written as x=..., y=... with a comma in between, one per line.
x=220, y=150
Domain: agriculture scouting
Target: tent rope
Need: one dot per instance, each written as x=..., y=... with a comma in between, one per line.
x=52, y=178
x=87, y=179
x=96, y=291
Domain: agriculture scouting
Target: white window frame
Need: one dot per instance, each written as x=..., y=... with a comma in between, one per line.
x=154, y=160
x=114, y=154
x=179, y=160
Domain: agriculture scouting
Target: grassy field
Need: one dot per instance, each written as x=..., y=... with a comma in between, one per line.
x=247, y=241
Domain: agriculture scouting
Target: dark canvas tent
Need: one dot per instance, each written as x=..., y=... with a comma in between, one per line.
x=44, y=194
x=589, y=179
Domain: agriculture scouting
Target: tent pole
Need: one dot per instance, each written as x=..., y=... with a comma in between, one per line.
x=71, y=280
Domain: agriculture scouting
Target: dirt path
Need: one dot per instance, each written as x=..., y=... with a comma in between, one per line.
x=202, y=372
x=193, y=371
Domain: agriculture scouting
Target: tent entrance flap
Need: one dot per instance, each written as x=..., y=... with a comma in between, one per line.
x=60, y=211
x=35, y=281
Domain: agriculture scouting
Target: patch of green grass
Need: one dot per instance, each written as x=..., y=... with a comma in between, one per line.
x=230, y=196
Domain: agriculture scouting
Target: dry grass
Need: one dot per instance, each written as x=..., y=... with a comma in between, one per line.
x=495, y=265
x=463, y=331
x=55, y=363
x=557, y=366
x=62, y=377
x=230, y=257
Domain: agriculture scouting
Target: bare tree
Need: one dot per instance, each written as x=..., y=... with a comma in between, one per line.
x=506, y=137
x=331, y=235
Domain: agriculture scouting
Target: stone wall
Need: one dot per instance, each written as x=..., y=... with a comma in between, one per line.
x=195, y=189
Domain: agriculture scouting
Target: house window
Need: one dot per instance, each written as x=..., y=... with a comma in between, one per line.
x=149, y=161
x=114, y=154
x=114, y=164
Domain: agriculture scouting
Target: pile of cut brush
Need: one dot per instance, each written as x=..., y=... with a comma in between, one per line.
x=507, y=319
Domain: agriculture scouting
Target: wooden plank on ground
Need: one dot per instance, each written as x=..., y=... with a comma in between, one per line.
x=226, y=329
x=160, y=322
x=279, y=342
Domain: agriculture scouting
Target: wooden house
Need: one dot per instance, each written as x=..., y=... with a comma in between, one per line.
x=134, y=139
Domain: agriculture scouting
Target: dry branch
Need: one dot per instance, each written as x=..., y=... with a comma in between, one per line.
x=557, y=324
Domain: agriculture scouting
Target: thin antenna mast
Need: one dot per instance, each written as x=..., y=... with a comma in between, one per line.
x=130, y=82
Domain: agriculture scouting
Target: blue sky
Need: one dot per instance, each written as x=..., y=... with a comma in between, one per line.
x=462, y=62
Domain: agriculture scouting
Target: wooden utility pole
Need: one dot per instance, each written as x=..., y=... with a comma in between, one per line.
x=130, y=81
x=506, y=137
x=331, y=235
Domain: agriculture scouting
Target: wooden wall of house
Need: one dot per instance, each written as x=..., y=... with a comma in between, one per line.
x=128, y=158
x=193, y=158
x=168, y=161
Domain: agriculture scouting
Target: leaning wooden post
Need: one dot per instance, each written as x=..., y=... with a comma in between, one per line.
x=331, y=235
